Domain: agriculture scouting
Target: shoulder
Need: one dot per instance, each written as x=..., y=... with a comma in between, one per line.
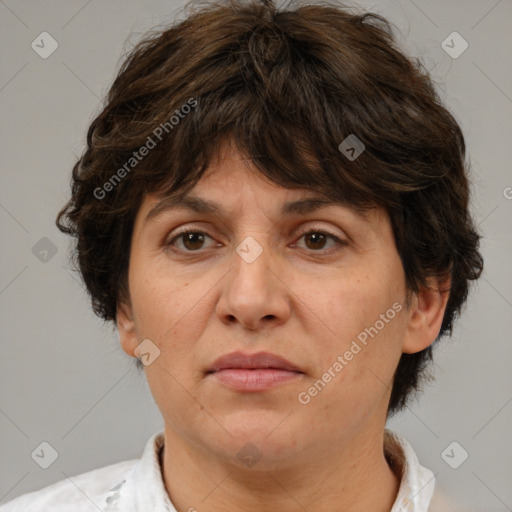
x=82, y=493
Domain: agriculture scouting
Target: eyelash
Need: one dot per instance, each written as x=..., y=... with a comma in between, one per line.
x=340, y=243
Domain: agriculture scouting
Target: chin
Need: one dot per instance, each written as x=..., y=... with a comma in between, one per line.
x=263, y=436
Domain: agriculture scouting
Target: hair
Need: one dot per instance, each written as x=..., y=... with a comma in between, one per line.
x=287, y=86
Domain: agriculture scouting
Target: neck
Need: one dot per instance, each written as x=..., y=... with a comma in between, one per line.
x=355, y=477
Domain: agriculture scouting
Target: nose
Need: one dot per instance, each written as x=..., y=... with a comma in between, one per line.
x=254, y=293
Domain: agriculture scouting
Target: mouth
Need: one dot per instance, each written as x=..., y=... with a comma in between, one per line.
x=253, y=372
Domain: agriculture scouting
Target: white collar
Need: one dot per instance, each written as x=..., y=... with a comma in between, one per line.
x=142, y=488
x=416, y=483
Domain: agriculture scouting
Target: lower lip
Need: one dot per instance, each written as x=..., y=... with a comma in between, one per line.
x=255, y=380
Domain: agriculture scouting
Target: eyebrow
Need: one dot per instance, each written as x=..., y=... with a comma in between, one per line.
x=199, y=205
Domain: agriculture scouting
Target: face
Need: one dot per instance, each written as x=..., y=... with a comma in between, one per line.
x=318, y=285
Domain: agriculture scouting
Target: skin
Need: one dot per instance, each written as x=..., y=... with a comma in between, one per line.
x=301, y=299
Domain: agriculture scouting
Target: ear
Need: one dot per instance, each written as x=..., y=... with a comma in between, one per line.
x=126, y=328
x=426, y=315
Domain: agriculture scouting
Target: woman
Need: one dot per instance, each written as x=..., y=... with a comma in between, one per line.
x=273, y=208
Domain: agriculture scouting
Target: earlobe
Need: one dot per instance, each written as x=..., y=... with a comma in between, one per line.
x=126, y=328
x=426, y=315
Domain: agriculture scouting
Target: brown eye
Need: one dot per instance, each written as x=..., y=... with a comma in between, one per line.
x=189, y=241
x=316, y=240
x=193, y=241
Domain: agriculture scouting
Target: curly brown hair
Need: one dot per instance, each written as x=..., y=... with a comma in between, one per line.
x=287, y=86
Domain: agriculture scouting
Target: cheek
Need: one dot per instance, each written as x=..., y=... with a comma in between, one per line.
x=363, y=321
x=171, y=309
x=351, y=302
x=155, y=301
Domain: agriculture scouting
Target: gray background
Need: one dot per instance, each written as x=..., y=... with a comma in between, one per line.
x=64, y=378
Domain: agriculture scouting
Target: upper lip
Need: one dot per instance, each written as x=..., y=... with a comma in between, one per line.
x=259, y=360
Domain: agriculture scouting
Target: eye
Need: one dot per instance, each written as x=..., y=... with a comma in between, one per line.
x=191, y=241
x=194, y=241
x=316, y=239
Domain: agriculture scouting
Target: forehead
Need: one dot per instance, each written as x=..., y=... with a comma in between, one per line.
x=232, y=184
x=198, y=204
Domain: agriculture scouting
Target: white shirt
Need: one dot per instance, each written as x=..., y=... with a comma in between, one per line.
x=137, y=485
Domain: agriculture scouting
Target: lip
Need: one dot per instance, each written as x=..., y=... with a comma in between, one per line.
x=253, y=372
x=260, y=360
